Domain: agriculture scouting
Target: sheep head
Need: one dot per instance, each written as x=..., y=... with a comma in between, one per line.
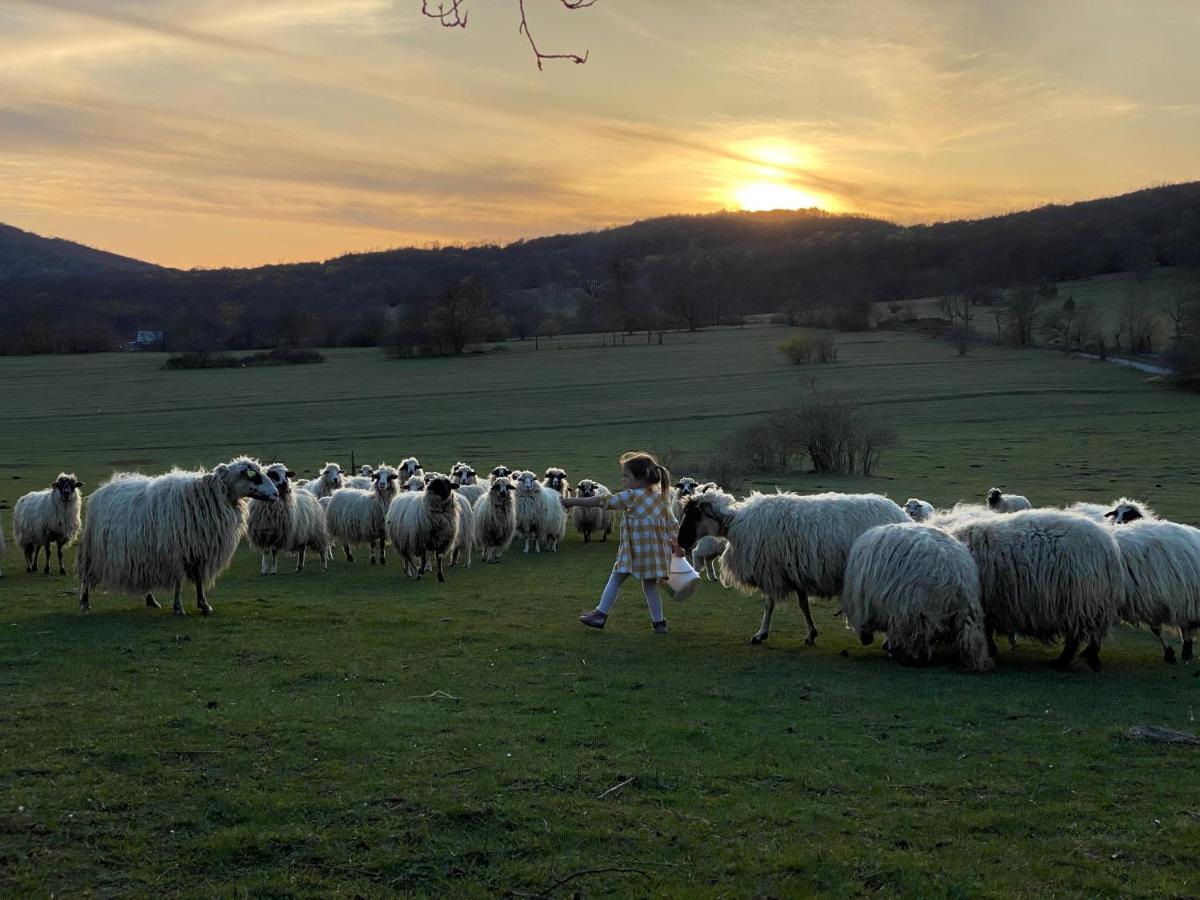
x=243, y=477
x=439, y=490
x=331, y=474
x=916, y=509
x=500, y=493
x=416, y=483
x=501, y=472
x=686, y=486
x=993, y=497
x=1124, y=512
x=463, y=474
x=703, y=516
x=556, y=479
x=66, y=484
x=527, y=482
x=586, y=488
x=281, y=476
x=386, y=482
x=410, y=467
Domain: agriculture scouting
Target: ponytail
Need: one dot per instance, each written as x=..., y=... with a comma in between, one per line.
x=645, y=467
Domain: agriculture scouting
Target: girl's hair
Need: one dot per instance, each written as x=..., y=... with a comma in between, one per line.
x=644, y=467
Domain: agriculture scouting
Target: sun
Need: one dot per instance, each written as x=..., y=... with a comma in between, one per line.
x=755, y=196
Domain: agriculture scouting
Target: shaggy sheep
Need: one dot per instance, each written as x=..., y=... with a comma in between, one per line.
x=45, y=517
x=919, y=510
x=1119, y=512
x=556, y=480
x=501, y=472
x=329, y=480
x=143, y=533
x=540, y=514
x=295, y=524
x=410, y=467
x=1046, y=574
x=415, y=483
x=495, y=519
x=779, y=543
x=464, y=539
x=685, y=487
x=422, y=522
x=468, y=482
x=921, y=587
x=705, y=554
x=354, y=516
x=1006, y=503
x=589, y=520
x=1161, y=561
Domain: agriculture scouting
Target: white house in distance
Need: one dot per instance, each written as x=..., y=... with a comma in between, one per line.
x=146, y=340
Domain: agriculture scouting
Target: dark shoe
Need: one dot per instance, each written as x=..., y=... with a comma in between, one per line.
x=660, y=627
x=594, y=619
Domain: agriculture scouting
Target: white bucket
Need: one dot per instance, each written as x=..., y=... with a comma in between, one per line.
x=683, y=579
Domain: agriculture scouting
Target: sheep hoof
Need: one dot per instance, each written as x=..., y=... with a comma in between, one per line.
x=1169, y=655
x=151, y=603
x=811, y=640
x=372, y=560
x=1093, y=660
x=178, y=611
x=758, y=638
x=1187, y=651
x=206, y=610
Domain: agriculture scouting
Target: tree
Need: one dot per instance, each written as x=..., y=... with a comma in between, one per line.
x=456, y=17
x=460, y=316
x=1021, y=308
x=1136, y=323
x=1058, y=324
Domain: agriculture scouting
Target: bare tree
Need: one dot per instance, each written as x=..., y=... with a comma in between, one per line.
x=1136, y=323
x=454, y=14
x=1021, y=308
x=1182, y=308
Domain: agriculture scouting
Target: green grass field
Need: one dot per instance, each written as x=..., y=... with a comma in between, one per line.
x=355, y=733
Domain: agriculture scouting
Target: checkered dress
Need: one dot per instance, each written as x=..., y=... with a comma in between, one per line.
x=647, y=529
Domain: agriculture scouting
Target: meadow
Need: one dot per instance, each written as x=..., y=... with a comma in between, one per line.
x=356, y=733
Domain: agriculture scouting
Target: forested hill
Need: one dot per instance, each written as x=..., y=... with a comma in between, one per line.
x=25, y=256
x=678, y=270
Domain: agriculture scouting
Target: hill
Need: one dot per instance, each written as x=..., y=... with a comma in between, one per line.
x=27, y=256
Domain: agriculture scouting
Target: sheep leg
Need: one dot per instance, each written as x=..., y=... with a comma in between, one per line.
x=274, y=562
x=764, y=630
x=31, y=557
x=1168, y=650
x=62, y=570
x=382, y=551
x=46, y=571
x=201, y=603
x=1187, y=634
x=441, y=577
x=177, y=607
x=300, y=559
x=811, y=638
x=151, y=603
x=84, y=598
x=349, y=555
x=1091, y=656
x=1068, y=654
x=454, y=558
x=526, y=550
x=265, y=567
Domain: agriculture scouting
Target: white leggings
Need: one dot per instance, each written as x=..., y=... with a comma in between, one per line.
x=649, y=588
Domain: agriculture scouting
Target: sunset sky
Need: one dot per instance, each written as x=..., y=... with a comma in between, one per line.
x=240, y=132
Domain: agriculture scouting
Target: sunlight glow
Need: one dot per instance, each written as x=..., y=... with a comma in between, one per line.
x=754, y=196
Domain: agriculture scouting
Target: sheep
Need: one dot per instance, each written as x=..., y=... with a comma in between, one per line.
x=705, y=554
x=1119, y=512
x=143, y=533
x=416, y=483
x=592, y=519
x=501, y=472
x=1161, y=561
x=919, y=510
x=540, y=513
x=329, y=480
x=468, y=482
x=1047, y=574
x=464, y=539
x=294, y=524
x=685, y=487
x=779, y=543
x=410, y=467
x=921, y=587
x=1006, y=503
x=354, y=516
x=495, y=517
x=45, y=517
x=422, y=522
x=556, y=480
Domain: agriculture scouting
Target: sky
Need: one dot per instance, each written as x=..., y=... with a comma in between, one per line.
x=207, y=133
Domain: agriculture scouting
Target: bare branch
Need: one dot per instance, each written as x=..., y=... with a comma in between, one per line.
x=456, y=17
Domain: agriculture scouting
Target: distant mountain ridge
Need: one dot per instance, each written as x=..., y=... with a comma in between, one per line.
x=24, y=255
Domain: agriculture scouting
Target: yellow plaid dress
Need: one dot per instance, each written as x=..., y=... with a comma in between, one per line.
x=647, y=530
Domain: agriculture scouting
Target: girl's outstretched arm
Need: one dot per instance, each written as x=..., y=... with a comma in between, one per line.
x=568, y=502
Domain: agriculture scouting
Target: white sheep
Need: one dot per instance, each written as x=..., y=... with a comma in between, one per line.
x=685, y=487
x=144, y=533
x=468, y=482
x=705, y=554
x=424, y=522
x=1047, y=574
x=540, y=513
x=410, y=467
x=556, y=480
x=329, y=479
x=354, y=516
x=589, y=520
x=780, y=543
x=919, y=510
x=921, y=587
x=495, y=519
x=464, y=538
x=1119, y=512
x=293, y=524
x=1006, y=503
x=45, y=517
x=1161, y=561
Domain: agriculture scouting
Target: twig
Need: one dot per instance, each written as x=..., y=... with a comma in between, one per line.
x=184, y=751
x=1157, y=735
x=546, y=892
x=538, y=54
x=436, y=695
x=616, y=787
x=456, y=772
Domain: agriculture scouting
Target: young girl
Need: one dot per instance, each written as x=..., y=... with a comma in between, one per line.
x=647, y=535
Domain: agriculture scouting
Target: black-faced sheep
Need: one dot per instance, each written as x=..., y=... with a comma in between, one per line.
x=685, y=487
x=144, y=533
x=921, y=587
x=780, y=543
x=293, y=524
x=496, y=519
x=45, y=517
x=424, y=522
x=1119, y=512
x=589, y=520
x=999, y=502
x=410, y=467
x=1046, y=574
x=469, y=485
x=354, y=516
x=556, y=480
x=541, y=517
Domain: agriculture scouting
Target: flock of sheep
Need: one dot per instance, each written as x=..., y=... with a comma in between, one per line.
x=926, y=578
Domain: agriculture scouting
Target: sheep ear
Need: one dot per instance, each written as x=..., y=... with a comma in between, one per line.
x=1111, y=514
x=222, y=471
x=291, y=474
x=79, y=484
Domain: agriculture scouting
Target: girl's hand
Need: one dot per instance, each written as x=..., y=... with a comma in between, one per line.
x=676, y=550
x=565, y=501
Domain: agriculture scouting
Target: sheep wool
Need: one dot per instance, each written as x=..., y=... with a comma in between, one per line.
x=540, y=514
x=355, y=516
x=421, y=522
x=294, y=524
x=919, y=510
x=705, y=554
x=45, y=517
x=921, y=587
x=495, y=517
x=142, y=533
x=589, y=520
x=1161, y=561
x=1006, y=503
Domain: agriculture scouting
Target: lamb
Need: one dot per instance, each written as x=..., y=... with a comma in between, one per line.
x=1047, y=574
x=1161, y=561
x=540, y=513
x=45, y=517
x=143, y=533
x=921, y=587
x=422, y=522
x=294, y=524
x=706, y=553
x=685, y=487
x=495, y=517
x=590, y=520
x=329, y=480
x=1006, y=503
x=919, y=510
x=1119, y=512
x=354, y=516
x=779, y=543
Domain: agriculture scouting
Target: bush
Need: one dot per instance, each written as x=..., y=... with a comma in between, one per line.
x=281, y=356
x=806, y=347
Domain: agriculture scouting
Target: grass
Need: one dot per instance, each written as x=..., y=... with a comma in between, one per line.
x=354, y=733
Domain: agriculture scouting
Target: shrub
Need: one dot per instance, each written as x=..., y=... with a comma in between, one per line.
x=805, y=347
x=281, y=356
